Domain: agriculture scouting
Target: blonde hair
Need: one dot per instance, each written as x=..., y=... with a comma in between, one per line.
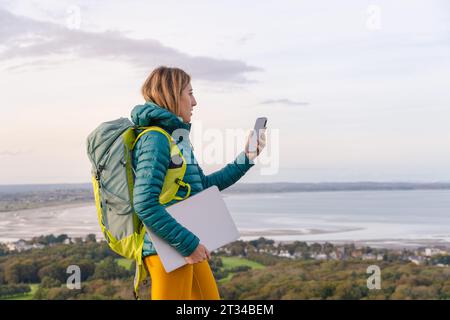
x=164, y=86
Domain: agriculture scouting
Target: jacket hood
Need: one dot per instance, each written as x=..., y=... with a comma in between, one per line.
x=150, y=114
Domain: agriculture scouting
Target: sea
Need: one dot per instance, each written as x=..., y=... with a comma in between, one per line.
x=387, y=218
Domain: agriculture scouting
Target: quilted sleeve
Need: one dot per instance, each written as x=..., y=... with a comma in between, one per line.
x=152, y=154
x=228, y=175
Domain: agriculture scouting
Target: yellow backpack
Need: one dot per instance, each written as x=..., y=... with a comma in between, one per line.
x=109, y=149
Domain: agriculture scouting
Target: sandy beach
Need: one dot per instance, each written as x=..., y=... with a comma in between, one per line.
x=80, y=219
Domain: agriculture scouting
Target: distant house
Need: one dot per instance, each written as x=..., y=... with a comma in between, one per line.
x=321, y=256
x=226, y=250
x=429, y=252
x=356, y=254
x=19, y=246
x=340, y=250
x=334, y=256
x=369, y=256
x=418, y=260
x=338, y=254
x=285, y=253
x=22, y=245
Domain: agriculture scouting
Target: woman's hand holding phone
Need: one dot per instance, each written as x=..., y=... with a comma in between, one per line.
x=256, y=140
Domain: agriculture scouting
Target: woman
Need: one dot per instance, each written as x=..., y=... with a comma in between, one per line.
x=169, y=105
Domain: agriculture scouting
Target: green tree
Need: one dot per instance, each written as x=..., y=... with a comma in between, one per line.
x=13, y=289
x=21, y=272
x=237, y=248
x=328, y=248
x=350, y=291
x=61, y=238
x=109, y=269
x=48, y=282
x=91, y=238
x=316, y=247
x=3, y=250
x=54, y=271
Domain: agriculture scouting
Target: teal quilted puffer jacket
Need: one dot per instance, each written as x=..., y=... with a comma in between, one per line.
x=151, y=158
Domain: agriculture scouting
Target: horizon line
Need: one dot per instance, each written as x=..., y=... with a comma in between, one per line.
x=274, y=182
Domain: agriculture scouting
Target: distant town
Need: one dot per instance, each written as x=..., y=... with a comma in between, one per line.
x=438, y=256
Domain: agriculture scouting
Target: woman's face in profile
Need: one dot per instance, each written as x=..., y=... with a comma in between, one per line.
x=187, y=103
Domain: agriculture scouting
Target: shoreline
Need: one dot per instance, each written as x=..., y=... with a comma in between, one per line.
x=388, y=244
x=245, y=234
x=52, y=205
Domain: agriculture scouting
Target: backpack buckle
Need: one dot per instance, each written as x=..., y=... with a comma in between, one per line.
x=180, y=182
x=184, y=185
x=98, y=172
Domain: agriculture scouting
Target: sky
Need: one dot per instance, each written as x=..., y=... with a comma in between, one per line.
x=353, y=90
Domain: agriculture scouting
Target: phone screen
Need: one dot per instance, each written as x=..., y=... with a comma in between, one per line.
x=260, y=123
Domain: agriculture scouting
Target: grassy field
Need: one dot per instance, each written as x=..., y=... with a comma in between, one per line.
x=231, y=262
x=27, y=296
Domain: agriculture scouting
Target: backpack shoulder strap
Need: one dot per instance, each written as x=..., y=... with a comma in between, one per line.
x=177, y=173
x=153, y=128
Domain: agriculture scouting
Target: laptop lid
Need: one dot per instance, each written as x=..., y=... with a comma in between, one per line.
x=206, y=215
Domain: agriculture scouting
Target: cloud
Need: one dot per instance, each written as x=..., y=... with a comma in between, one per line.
x=245, y=38
x=25, y=38
x=37, y=64
x=286, y=102
x=9, y=153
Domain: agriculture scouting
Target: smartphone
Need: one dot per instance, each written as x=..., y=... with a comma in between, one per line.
x=260, y=123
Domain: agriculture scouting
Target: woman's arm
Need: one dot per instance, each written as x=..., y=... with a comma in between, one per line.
x=232, y=172
x=151, y=168
x=228, y=175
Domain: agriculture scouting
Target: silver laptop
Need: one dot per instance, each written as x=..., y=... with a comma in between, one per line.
x=204, y=214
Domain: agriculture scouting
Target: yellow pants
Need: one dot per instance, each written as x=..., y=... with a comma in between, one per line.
x=189, y=282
